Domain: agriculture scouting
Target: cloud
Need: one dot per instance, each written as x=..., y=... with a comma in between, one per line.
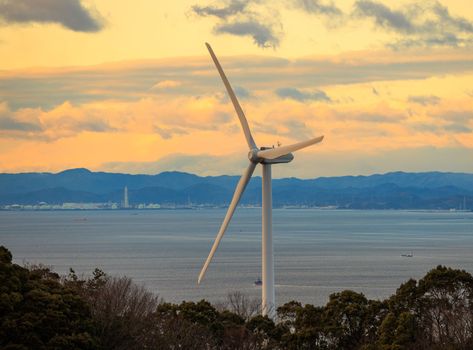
x=71, y=14
x=260, y=19
x=17, y=123
x=233, y=7
x=422, y=127
x=298, y=95
x=458, y=116
x=313, y=164
x=62, y=121
x=424, y=100
x=389, y=117
x=282, y=123
x=168, y=133
x=263, y=34
x=131, y=81
x=447, y=122
x=460, y=23
x=296, y=129
x=428, y=24
x=451, y=128
x=457, y=128
x=242, y=93
x=10, y=124
x=157, y=125
x=318, y=7
x=384, y=16
x=245, y=18
x=415, y=24
x=166, y=84
x=203, y=164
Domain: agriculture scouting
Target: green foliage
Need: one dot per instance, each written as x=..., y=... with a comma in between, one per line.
x=5, y=255
x=344, y=319
x=38, y=312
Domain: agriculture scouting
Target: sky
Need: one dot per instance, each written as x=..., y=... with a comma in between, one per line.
x=128, y=86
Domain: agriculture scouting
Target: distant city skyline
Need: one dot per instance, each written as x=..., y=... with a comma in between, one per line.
x=121, y=86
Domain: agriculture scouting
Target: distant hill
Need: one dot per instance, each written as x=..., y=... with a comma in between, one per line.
x=396, y=190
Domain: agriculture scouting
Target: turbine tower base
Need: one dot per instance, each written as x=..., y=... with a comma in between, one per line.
x=268, y=296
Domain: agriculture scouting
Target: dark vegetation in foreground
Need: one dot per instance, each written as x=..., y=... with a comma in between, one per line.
x=41, y=310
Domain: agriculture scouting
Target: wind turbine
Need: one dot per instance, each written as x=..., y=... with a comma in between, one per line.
x=266, y=156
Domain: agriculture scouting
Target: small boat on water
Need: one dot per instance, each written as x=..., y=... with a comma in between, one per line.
x=258, y=282
x=407, y=255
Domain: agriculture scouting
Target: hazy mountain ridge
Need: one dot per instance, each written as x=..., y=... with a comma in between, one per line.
x=397, y=190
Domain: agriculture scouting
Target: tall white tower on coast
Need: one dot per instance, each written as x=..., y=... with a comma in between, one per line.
x=125, y=198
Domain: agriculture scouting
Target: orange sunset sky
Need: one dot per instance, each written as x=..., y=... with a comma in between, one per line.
x=128, y=86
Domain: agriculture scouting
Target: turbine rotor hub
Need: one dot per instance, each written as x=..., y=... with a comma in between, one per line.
x=253, y=156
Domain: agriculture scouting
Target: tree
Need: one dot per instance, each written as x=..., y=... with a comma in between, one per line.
x=122, y=310
x=344, y=319
x=434, y=313
x=303, y=324
x=37, y=312
x=446, y=307
x=40, y=310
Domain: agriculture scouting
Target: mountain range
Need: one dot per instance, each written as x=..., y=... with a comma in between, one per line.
x=395, y=190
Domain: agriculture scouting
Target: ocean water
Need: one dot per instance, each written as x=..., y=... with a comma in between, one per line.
x=317, y=252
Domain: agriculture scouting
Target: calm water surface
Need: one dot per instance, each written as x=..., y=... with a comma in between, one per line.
x=317, y=252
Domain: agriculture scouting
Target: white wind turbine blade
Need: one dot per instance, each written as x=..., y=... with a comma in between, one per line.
x=273, y=153
x=231, y=209
x=239, y=111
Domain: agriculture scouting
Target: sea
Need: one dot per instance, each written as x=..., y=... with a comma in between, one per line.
x=316, y=252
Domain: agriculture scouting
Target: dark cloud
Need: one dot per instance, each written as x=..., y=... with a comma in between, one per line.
x=440, y=39
x=420, y=24
x=428, y=24
x=263, y=35
x=463, y=117
x=244, y=18
x=426, y=128
x=424, y=100
x=258, y=19
x=242, y=93
x=9, y=122
x=459, y=23
x=35, y=123
x=296, y=129
x=69, y=13
x=96, y=125
x=384, y=16
x=132, y=81
x=230, y=9
x=298, y=95
x=457, y=128
x=318, y=7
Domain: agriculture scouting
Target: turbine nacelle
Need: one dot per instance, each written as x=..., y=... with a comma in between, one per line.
x=255, y=158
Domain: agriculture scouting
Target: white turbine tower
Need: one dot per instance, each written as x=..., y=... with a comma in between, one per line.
x=266, y=156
